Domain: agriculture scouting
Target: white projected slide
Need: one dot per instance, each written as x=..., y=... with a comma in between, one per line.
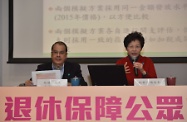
x=96, y=28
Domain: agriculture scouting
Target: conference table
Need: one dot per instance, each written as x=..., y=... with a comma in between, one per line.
x=94, y=104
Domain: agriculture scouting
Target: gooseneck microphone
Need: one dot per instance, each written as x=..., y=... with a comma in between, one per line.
x=135, y=69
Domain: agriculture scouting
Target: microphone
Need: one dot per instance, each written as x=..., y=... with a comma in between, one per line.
x=135, y=69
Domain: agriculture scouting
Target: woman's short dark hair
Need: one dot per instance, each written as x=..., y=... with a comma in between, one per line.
x=132, y=37
x=60, y=43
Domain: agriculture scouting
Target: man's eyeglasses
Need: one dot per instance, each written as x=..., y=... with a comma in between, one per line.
x=60, y=53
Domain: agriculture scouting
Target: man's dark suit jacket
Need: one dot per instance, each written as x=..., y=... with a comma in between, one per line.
x=70, y=70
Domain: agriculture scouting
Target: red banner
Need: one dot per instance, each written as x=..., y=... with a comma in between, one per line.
x=94, y=104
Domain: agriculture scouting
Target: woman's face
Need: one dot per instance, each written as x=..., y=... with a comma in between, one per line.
x=134, y=48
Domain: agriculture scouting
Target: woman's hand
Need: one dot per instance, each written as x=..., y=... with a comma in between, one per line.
x=139, y=66
x=126, y=68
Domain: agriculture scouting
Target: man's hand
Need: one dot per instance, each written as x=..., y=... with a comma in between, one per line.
x=28, y=83
x=69, y=84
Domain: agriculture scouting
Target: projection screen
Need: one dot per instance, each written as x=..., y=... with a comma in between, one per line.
x=94, y=30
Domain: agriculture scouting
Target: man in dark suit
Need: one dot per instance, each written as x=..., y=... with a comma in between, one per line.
x=58, y=56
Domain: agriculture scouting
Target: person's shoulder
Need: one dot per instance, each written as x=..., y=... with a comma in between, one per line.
x=122, y=60
x=46, y=64
x=72, y=66
x=148, y=59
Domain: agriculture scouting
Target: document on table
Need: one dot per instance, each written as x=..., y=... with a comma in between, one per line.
x=47, y=74
x=52, y=82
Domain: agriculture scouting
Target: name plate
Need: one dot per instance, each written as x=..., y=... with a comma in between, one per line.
x=52, y=82
x=149, y=82
x=47, y=74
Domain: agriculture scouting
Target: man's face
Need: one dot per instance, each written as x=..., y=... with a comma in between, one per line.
x=58, y=55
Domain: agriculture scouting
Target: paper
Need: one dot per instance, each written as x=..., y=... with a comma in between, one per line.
x=149, y=82
x=47, y=74
x=52, y=82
